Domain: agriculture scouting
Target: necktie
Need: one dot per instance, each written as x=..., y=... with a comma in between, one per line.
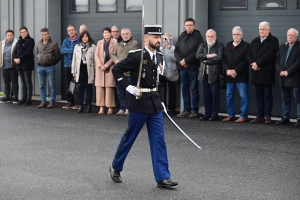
x=153, y=58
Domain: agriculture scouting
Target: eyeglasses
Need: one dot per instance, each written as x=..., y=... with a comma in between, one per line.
x=236, y=34
x=115, y=31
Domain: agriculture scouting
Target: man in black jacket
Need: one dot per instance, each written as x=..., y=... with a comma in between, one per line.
x=237, y=74
x=210, y=53
x=262, y=58
x=185, y=53
x=288, y=69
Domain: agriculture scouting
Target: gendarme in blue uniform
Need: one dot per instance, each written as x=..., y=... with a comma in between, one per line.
x=147, y=109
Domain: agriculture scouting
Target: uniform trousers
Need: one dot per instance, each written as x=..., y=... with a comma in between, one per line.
x=158, y=148
x=105, y=96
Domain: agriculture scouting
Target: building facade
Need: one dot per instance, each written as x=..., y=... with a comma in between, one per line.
x=220, y=15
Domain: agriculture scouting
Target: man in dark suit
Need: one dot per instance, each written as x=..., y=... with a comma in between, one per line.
x=288, y=69
x=145, y=106
x=262, y=58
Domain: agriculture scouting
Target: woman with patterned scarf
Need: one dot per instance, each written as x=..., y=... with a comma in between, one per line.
x=104, y=80
x=83, y=69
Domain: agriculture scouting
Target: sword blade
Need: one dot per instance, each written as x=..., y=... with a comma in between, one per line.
x=174, y=123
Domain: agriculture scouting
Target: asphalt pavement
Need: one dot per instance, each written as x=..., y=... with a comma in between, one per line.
x=61, y=154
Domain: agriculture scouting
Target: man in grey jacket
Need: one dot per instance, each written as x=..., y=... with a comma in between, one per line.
x=48, y=55
x=9, y=72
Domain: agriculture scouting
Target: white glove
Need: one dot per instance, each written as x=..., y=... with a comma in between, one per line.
x=162, y=103
x=133, y=90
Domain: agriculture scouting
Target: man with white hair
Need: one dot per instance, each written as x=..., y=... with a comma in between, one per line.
x=210, y=54
x=262, y=58
x=115, y=33
x=288, y=69
x=119, y=54
x=237, y=74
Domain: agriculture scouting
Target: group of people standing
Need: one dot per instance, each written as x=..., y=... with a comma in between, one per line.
x=210, y=64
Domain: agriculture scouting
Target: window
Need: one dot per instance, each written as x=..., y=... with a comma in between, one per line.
x=271, y=4
x=234, y=4
x=133, y=5
x=106, y=6
x=79, y=6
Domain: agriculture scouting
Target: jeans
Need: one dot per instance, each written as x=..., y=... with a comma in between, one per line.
x=189, y=81
x=122, y=94
x=10, y=76
x=69, y=77
x=26, y=80
x=264, y=100
x=211, y=98
x=243, y=91
x=83, y=81
x=49, y=73
x=286, y=94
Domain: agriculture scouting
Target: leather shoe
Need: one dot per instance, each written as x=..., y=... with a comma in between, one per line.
x=297, y=124
x=283, y=121
x=213, y=118
x=80, y=109
x=50, y=105
x=257, y=120
x=203, y=118
x=166, y=183
x=241, y=120
x=268, y=120
x=227, y=119
x=42, y=105
x=27, y=103
x=89, y=109
x=115, y=175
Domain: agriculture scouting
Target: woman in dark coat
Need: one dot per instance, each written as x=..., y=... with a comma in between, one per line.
x=24, y=58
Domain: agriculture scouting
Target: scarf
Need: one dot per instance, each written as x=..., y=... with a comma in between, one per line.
x=106, y=52
x=84, y=49
x=125, y=42
x=8, y=43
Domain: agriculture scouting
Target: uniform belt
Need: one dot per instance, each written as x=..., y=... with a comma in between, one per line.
x=148, y=89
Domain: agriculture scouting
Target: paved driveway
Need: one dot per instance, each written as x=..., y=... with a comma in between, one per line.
x=60, y=154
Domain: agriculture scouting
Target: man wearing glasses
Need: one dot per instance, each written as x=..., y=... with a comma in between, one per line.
x=115, y=32
x=237, y=74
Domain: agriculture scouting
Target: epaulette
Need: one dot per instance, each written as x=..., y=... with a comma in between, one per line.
x=136, y=50
x=160, y=53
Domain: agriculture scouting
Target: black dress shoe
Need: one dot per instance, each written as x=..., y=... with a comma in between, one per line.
x=297, y=124
x=166, y=183
x=27, y=103
x=115, y=175
x=80, y=109
x=213, y=118
x=89, y=109
x=283, y=121
x=21, y=102
x=203, y=118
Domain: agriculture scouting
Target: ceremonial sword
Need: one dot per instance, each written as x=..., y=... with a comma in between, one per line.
x=174, y=123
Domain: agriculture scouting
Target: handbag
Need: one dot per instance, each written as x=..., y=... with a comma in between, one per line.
x=171, y=74
x=73, y=87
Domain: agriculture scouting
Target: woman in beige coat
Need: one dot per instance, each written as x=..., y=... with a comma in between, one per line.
x=104, y=80
x=83, y=68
